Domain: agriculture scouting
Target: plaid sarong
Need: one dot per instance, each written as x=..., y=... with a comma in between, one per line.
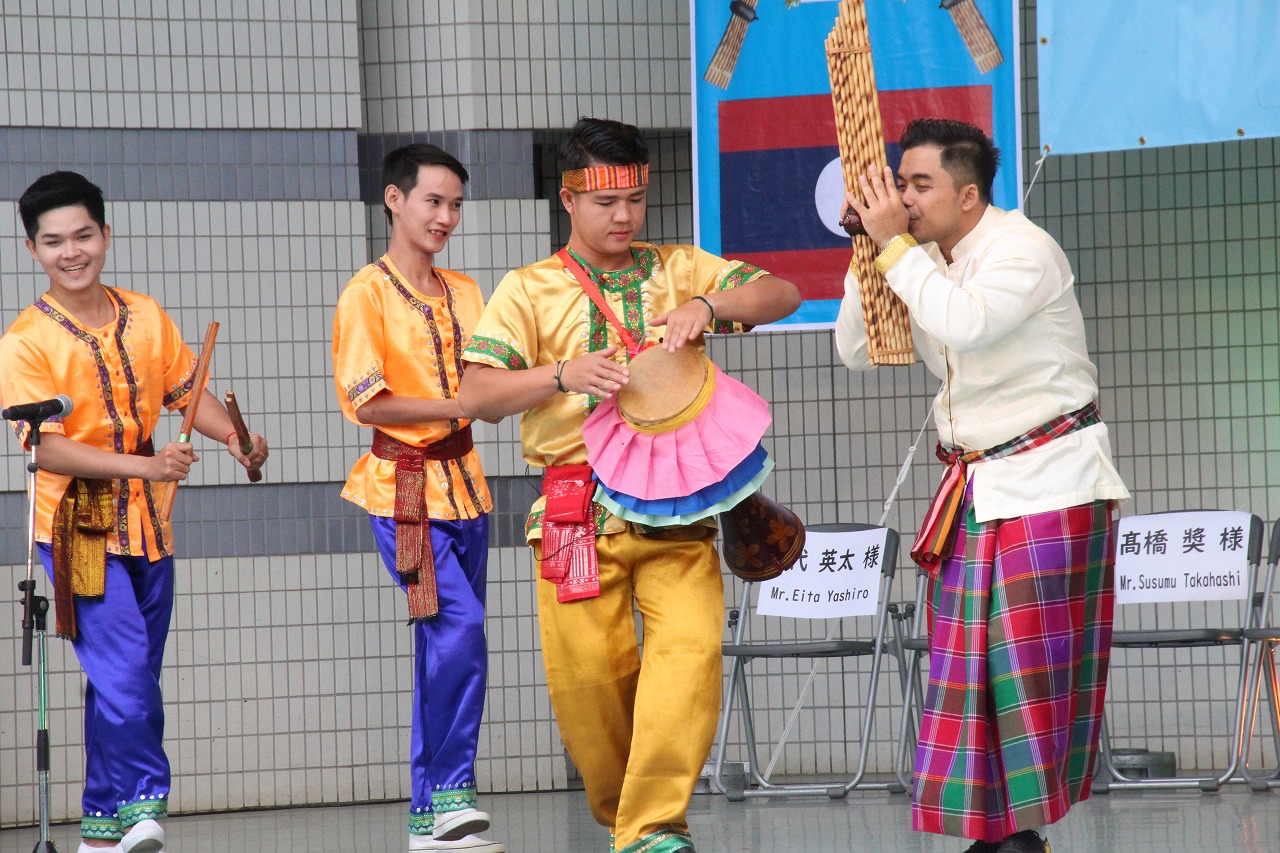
x=942, y=518
x=1020, y=638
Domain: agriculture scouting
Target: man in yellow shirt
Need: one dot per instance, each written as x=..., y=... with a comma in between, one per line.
x=121, y=360
x=638, y=729
x=397, y=350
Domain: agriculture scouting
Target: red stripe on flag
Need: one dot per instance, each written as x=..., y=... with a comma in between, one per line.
x=962, y=103
x=819, y=273
x=808, y=121
x=763, y=124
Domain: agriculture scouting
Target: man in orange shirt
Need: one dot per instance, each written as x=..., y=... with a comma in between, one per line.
x=121, y=360
x=398, y=335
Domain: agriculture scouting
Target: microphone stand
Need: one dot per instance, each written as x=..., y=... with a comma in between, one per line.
x=35, y=609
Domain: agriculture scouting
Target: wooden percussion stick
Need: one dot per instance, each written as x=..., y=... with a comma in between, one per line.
x=199, y=379
x=242, y=432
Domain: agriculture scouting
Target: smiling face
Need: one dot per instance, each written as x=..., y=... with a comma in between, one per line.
x=426, y=217
x=72, y=249
x=940, y=211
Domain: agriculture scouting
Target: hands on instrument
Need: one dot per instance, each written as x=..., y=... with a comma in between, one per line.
x=172, y=462
x=595, y=373
x=253, y=459
x=880, y=210
x=684, y=324
x=251, y=447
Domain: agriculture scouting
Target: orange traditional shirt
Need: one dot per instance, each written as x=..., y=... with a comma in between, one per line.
x=119, y=378
x=388, y=336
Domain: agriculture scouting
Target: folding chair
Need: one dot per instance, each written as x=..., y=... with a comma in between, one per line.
x=1207, y=555
x=1264, y=635
x=911, y=644
x=859, y=559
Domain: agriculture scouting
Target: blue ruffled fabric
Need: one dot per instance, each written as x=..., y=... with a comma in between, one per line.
x=743, y=480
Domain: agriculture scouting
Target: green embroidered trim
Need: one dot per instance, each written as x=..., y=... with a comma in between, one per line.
x=155, y=808
x=633, y=311
x=421, y=821
x=662, y=841
x=597, y=329
x=534, y=521
x=493, y=350
x=629, y=284
x=736, y=276
x=619, y=281
x=106, y=827
x=452, y=799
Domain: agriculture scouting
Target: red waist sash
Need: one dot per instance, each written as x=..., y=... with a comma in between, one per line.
x=415, y=562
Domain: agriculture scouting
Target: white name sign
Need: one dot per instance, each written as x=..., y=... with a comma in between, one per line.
x=1182, y=556
x=837, y=575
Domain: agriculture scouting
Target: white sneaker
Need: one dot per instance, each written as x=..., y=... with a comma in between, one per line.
x=459, y=823
x=466, y=844
x=145, y=836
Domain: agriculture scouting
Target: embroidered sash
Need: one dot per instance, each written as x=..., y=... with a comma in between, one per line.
x=415, y=561
x=569, y=532
x=937, y=532
x=82, y=522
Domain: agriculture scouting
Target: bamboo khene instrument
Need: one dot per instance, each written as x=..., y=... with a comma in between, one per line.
x=860, y=134
x=975, y=32
x=199, y=379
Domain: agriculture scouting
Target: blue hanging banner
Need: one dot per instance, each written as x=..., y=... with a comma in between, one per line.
x=1144, y=73
x=768, y=182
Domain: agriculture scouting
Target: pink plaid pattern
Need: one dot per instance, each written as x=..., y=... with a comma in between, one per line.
x=1020, y=638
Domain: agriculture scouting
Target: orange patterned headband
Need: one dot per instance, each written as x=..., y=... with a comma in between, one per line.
x=605, y=178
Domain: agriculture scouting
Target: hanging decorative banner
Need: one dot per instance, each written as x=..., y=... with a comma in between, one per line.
x=767, y=173
x=1146, y=73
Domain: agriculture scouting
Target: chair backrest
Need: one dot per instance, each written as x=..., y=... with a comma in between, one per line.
x=843, y=571
x=1202, y=555
x=1267, y=587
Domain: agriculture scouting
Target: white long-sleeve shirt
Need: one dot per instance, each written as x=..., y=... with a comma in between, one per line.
x=1001, y=327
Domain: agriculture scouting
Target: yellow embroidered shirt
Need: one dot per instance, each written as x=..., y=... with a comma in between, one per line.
x=539, y=315
x=119, y=378
x=388, y=336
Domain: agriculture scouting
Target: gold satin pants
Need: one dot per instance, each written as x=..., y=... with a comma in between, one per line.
x=639, y=726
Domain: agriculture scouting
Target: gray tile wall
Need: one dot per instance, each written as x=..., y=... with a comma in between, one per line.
x=286, y=680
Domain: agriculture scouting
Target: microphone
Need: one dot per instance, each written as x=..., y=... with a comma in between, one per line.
x=57, y=407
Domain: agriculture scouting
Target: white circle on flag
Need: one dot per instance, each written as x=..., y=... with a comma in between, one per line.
x=828, y=197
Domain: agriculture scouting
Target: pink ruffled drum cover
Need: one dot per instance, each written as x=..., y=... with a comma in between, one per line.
x=646, y=459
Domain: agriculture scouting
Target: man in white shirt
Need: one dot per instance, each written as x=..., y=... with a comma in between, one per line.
x=1019, y=540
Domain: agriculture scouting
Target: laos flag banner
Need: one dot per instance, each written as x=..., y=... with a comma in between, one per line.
x=768, y=186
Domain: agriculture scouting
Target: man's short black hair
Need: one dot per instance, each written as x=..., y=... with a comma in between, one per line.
x=601, y=142
x=60, y=189
x=400, y=167
x=968, y=154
